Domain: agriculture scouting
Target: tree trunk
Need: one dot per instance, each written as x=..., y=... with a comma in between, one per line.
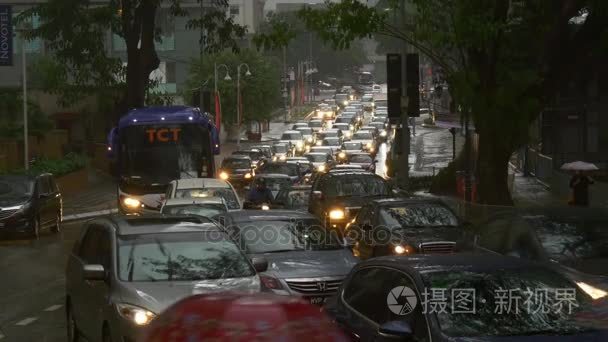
x=492, y=170
x=141, y=55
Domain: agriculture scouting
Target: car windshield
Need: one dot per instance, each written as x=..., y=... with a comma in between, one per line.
x=315, y=124
x=352, y=146
x=362, y=136
x=236, y=164
x=225, y=192
x=305, y=130
x=567, y=239
x=367, y=98
x=316, y=158
x=506, y=302
x=295, y=198
x=276, y=184
x=343, y=119
x=341, y=97
x=327, y=150
x=331, y=142
x=291, y=136
x=331, y=134
x=418, y=215
x=258, y=237
x=15, y=188
x=279, y=168
x=360, y=158
x=357, y=185
x=206, y=209
x=279, y=148
x=180, y=257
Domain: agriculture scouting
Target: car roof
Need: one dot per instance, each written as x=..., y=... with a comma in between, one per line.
x=197, y=200
x=236, y=155
x=201, y=183
x=295, y=158
x=267, y=215
x=157, y=223
x=316, y=153
x=291, y=131
x=320, y=121
x=271, y=175
x=442, y=262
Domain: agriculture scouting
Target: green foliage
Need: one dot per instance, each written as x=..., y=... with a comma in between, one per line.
x=58, y=167
x=261, y=92
x=11, y=116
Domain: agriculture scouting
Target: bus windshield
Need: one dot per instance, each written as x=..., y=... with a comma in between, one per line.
x=161, y=153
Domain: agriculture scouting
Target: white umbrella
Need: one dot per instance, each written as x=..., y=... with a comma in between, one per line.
x=579, y=166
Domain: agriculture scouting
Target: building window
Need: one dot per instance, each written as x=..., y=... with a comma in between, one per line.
x=235, y=10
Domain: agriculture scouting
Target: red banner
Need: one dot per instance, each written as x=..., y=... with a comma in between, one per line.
x=218, y=111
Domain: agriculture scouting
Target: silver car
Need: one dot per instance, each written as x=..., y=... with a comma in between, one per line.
x=124, y=271
x=304, y=259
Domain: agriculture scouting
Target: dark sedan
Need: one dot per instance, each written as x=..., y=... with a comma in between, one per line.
x=304, y=259
x=293, y=198
x=29, y=204
x=465, y=297
x=281, y=168
x=238, y=170
x=395, y=226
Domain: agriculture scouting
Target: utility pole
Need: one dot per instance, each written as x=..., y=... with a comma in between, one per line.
x=404, y=166
x=285, y=80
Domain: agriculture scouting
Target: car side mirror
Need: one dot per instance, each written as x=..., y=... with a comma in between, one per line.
x=395, y=331
x=318, y=195
x=260, y=264
x=93, y=272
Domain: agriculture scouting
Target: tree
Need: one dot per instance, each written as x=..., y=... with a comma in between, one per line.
x=288, y=30
x=76, y=32
x=261, y=92
x=504, y=60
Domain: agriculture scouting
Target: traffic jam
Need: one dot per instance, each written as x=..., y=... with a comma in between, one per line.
x=304, y=237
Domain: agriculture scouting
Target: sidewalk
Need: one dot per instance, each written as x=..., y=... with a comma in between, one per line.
x=529, y=192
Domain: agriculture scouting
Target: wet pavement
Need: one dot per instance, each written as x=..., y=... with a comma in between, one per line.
x=33, y=287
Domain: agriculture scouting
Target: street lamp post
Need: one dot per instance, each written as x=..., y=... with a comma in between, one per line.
x=26, y=163
x=226, y=78
x=238, y=97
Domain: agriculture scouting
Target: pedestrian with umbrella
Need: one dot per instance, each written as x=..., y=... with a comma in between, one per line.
x=579, y=183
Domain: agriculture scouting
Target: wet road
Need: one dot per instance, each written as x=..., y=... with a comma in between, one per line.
x=33, y=286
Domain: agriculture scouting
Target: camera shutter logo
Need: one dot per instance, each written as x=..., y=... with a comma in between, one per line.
x=401, y=300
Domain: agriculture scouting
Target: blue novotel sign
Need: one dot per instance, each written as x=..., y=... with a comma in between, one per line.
x=6, y=35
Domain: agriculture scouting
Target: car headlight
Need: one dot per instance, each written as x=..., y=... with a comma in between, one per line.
x=399, y=249
x=283, y=157
x=265, y=207
x=309, y=140
x=135, y=314
x=337, y=214
x=592, y=291
x=131, y=202
x=223, y=175
x=352, y=97
x=347, y=134
x=341, y=155
x=373, y=105
x=299, y=144
x=345, y=103
x=247, y=175
x=328, y=114
x=371, y=149
x=383, y=133
x=321, y=168
x=319, y=143
x=368, y=145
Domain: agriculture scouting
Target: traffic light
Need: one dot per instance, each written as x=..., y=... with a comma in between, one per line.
x=393, y=84
x=413, y=84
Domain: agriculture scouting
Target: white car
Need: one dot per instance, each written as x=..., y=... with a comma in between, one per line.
x=204, y=206
x=194, y=188
x=295, y=138
x=366, y=138
x=307, y=133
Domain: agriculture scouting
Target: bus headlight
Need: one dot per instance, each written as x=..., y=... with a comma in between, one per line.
x=337, y=214
x=132, y=203
x=223, y=175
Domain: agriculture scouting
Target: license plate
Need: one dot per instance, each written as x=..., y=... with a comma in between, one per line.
x=317, y=300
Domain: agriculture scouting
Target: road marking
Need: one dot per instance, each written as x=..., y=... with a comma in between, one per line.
x=53, y=307
x=27, y=321
x=75, y=217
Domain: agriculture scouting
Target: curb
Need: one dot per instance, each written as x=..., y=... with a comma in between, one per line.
x=82, y=216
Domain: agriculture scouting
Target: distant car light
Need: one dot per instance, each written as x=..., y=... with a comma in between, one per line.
x=369, y=145
x=248, y=175
x=383, y=134
x=337, y=214
x=403, y=249
x=223, y=175
x=321, y=168
x=319, y=143
x=345, y=103
x=131, y=202
x=341, y=155
x=265, y=207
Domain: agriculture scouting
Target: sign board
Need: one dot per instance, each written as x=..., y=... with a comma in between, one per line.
x=163, y=134
x=6, y=35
